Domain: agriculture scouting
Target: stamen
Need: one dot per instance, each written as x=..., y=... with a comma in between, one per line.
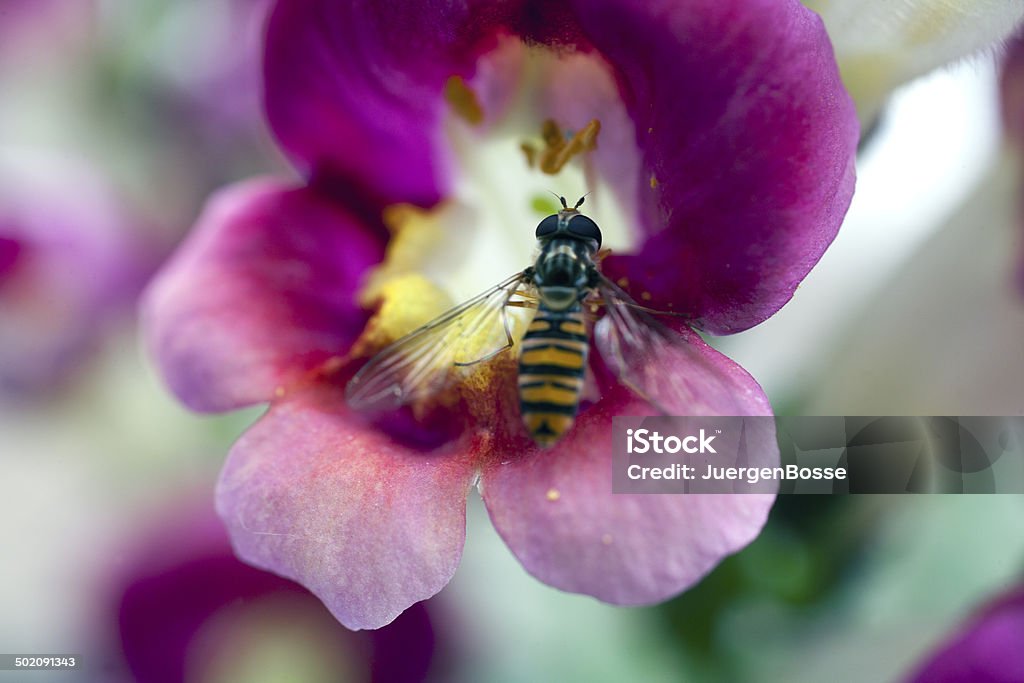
x=463, y=100
x=530, y=153
x=558, y=151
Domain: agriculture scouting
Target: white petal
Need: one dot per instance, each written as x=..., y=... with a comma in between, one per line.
x=881, y=44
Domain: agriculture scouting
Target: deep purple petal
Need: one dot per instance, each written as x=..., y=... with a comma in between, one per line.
x=353, y=90
x=313, y=493
x=745, y=126
x=989, y=649
x=556, y=510
x=263, y=290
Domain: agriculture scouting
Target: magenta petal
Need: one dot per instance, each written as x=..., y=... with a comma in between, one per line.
x=263, y=290
x=750, y=138
x=987, y=650
x=556, y=510
x=370, y=527
x=354, y=90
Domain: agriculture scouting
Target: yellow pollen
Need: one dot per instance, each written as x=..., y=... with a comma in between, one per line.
x=463, y=100
x=553, y=495
x=654, y=182
x=403, y=297
x=403, y=302
x=415, y=234
x=646, y=296
x=623, y=282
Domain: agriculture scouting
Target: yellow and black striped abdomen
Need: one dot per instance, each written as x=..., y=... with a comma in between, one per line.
x=551, y=369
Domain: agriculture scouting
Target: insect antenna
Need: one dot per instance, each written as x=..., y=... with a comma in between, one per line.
x=559, y=198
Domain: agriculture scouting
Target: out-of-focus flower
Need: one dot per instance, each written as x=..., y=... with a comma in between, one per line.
x=26, y=24
x=720, y=143
x=1012, y=90
x=187, y=609
x=987, y=649
x=881, y=44
x=1012, y=86
x=207, y=55
x=71, y=263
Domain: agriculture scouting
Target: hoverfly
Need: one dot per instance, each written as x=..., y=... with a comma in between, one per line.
x=555, y=291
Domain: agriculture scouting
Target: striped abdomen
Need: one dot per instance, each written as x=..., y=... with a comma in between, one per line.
x=551, y=369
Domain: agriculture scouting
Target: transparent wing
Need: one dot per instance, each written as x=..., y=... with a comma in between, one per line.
x=673, y=371
x=433, y=357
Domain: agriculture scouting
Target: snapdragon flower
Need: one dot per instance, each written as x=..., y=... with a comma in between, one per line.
x=718, y=143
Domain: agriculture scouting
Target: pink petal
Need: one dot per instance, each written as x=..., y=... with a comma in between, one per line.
x=262, y=291
x=556, y=510
x=315, y=494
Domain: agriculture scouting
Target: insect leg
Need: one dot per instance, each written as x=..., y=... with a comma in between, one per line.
x=632, y=304
x=509, y=341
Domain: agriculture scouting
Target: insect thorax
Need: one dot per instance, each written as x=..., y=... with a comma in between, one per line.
x=562, y=272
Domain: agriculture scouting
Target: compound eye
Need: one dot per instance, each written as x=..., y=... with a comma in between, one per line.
x=581, y=226
x=548, y=226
